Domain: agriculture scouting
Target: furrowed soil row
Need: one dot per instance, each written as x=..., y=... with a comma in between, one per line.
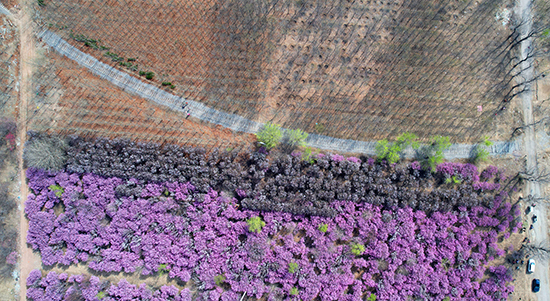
x=232, y=121
x=77, y=102
x=353, y=66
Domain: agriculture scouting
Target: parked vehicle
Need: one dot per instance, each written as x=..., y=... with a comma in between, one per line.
x=534, y=219
x=535, y=285
x=531, y=266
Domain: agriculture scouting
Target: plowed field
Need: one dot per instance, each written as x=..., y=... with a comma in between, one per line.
x=71, y=100
x=360, y=69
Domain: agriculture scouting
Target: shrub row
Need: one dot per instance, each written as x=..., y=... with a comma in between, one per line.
x=287, y=183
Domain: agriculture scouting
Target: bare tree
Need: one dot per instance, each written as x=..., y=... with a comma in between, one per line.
x=513, y=59
x=539, y=250
x=537, y=200
x=531, y=175
x=45, y=153
x=519, y=129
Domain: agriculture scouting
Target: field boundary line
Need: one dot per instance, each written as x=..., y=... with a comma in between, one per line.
x=235, y=122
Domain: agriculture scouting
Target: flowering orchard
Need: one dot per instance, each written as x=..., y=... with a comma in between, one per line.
x=56, y=286
x=207, y=240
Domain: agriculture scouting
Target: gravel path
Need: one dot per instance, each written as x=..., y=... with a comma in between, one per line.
x=231, y=121
x=540, y=229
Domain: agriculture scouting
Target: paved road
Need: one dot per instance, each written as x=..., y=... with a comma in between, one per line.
x=235, y=122
x=540, y=229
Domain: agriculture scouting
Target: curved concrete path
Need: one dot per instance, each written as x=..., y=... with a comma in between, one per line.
x=232, y=121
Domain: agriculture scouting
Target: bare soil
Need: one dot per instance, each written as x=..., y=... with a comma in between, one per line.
x=10, y=4
x=9, y=60
x=362, y=69
x=68, y=99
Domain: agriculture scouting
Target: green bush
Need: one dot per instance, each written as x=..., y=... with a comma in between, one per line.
x=323, y=228
x=270, y=135
x=445, y=264
x=219, y=279
x=453, y=179
x=292, y=267
x=372, y=297
x=308, y=155
x=130, y=66
x=255, y=224
x=382, y=149
x=390, y=151
x=132, y=59
x=481, y=153
x=58, y=190
x=88, y=42
x=296, y=137
x=433, y=153
x=114, y=57
x=164, y=84
x=41, y=3
x=294, y=291
x=148, y=74
x=162, y=268
x=387, y=151
x=407, y=139
x=357, y=249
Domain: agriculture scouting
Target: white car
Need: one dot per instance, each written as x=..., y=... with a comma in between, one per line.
x=531, y=266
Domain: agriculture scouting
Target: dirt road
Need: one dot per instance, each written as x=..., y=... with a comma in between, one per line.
x=540, y=231
x=29, y=260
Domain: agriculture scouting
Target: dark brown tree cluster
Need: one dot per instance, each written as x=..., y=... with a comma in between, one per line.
x=285, y=183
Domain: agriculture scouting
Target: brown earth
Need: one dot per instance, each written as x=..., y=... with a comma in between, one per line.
x=9, y=58
x=360, y=69
x=71, y=100
x=10, y=4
